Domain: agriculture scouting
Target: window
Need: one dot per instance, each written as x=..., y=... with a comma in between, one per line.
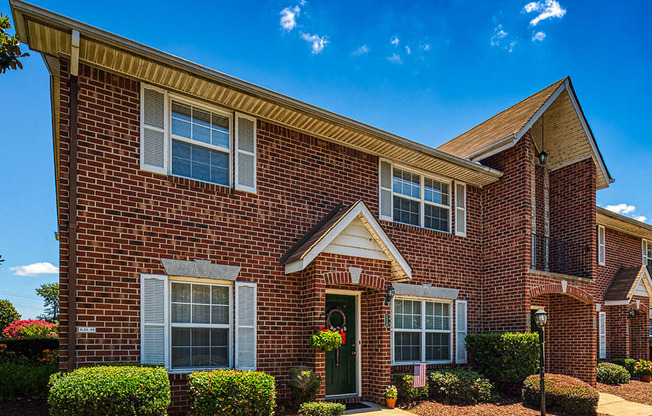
x=602, y=334
x=194, y=140
x=602, y=246
x=460, y=209
x=422, y=331
x=647, y=254
x=415, y=199
x=200, y=325
x=188, y=325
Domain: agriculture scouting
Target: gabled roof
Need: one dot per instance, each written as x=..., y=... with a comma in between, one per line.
x=624, y=224
x=624, y=283
x=502, y=131
x=327, y=230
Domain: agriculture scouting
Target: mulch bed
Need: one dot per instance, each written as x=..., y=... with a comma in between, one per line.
x=634, y=391
x=27, y=407
x=507, y=406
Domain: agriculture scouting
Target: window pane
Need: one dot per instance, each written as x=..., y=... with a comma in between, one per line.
x=180, y=337
x=181, y=167
x=220, y=295
x=180, y=111
x=180, y=313
x=202, y=134
x=437, y=316
x=406, y=210
x=436, y=218
x=407, y=315
x=180, y=292
x=201, y=294
x=181, y=357
x=407, y=183
x=181, y=128
x=201, y=337
x=201, y=117
x=220, y=315
x=201, y=357
x=201, y=314
x=219, y=357
x=407, y=346
x=220, y=131
x=436, y=191
x=219, y=337
x=437, y=346
x=200, y=163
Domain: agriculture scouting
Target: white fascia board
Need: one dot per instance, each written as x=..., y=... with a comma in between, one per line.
x=616, y=302
x=492, y=149
x=541, y=110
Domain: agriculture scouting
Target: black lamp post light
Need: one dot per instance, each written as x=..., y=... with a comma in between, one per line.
x=389, y=295
x=541, y=318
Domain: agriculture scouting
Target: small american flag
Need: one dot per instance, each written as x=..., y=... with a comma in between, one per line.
x=420, y=374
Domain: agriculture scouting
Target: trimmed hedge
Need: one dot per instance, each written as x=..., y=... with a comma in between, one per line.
x=628, y=363
x=110, y=390
x=232, y=393
x=610, y=373
x=322, y=409
x=504, y=358
x=304, y=385
x=563, y=393
x=407, y=393
x=25, y=350
x=460, y=386
x=23, y=380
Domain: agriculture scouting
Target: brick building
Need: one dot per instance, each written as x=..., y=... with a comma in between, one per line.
x=206, y=222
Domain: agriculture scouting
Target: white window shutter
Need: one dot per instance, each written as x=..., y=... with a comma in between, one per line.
x=603, y=334
x=245, y=153
x=602, y=248
x=645, y=252
x=245, y=325
x=153, y=319
x=460, y=208
x=385, y=185
x=460, y=331
x=153, y=129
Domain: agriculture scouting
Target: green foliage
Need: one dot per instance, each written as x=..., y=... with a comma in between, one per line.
x=232, y=393
x=391, y=392
x=304, y=385
x=110, y=390
x=24, y=380
x=628, y=363
x=460, y=386
x=28, y=350
x=407, y=393
x=643, y=368
x=9, y=49
x=322, y=409
x=8, y=314
x=610, y=373
x=504, y=358
x=325, y=340
x=50, y=294
x=563, y=393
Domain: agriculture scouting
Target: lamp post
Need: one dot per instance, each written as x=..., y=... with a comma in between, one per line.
x=541, y=318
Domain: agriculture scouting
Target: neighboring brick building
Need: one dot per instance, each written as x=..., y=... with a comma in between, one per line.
x=206, y=222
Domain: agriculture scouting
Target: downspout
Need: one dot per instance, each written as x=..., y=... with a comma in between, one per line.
x=72, y=203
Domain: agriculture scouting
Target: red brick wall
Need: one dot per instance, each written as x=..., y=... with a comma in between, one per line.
x=621, y=250
x=639, y=335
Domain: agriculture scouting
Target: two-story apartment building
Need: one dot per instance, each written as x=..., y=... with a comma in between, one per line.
x=207, y=222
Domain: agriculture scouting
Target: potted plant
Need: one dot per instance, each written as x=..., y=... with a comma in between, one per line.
x=643, y=369
x=326, y=339
x=390, y=396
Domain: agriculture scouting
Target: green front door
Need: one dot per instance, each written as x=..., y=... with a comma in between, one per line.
x=341, y=363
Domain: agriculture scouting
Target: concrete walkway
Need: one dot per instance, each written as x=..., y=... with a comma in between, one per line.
x=617, y=406
x=376, y=410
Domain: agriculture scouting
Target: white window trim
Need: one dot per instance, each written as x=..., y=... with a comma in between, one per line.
x=206, y=107
x=236, y=150
x=421, y=200
x=168, y=330
x=602, y=245
x=645, y=247
x=464, y=209
x=602, y=351
x=458, y=360
x=255, y=326
x=423, y=330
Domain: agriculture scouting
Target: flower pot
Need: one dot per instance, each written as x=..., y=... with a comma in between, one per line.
x=646, y=379
x=391, y=403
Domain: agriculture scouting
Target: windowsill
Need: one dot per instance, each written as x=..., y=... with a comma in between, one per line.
x=409, y=363
x=416, y=228
x=192, y=370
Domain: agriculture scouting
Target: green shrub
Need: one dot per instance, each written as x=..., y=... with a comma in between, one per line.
x=20, y=380
x=628, y=363
x=322, y=409
x=232, y=393
x=504, y=358
x=407, y=393
x=563, y=393
x=460, y=386
x=610, y=373
x=304, y=385
x=8, y=314
x=325, y=340
x=110, y=390
x=28, y=350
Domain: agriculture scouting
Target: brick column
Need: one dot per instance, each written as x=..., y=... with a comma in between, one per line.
x=376, y=346
x=314, y=298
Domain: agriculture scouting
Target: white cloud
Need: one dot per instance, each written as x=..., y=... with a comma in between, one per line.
x=621, y=208
x=362, y=50
x=395, y=41
x=547, y=10
x=408, y=50
x=498, y=39
x=317, y=43
x=289, y=17
x=395, y=59
x=640, y=218
x=539, y=36
x=35, y=269
x=426, y=47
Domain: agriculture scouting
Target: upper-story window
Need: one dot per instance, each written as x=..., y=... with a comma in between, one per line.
x=195, y=140
x=647, y=254
x=413, y=198
x=602, y=246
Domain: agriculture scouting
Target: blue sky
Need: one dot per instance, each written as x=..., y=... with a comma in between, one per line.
x=424, y=70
